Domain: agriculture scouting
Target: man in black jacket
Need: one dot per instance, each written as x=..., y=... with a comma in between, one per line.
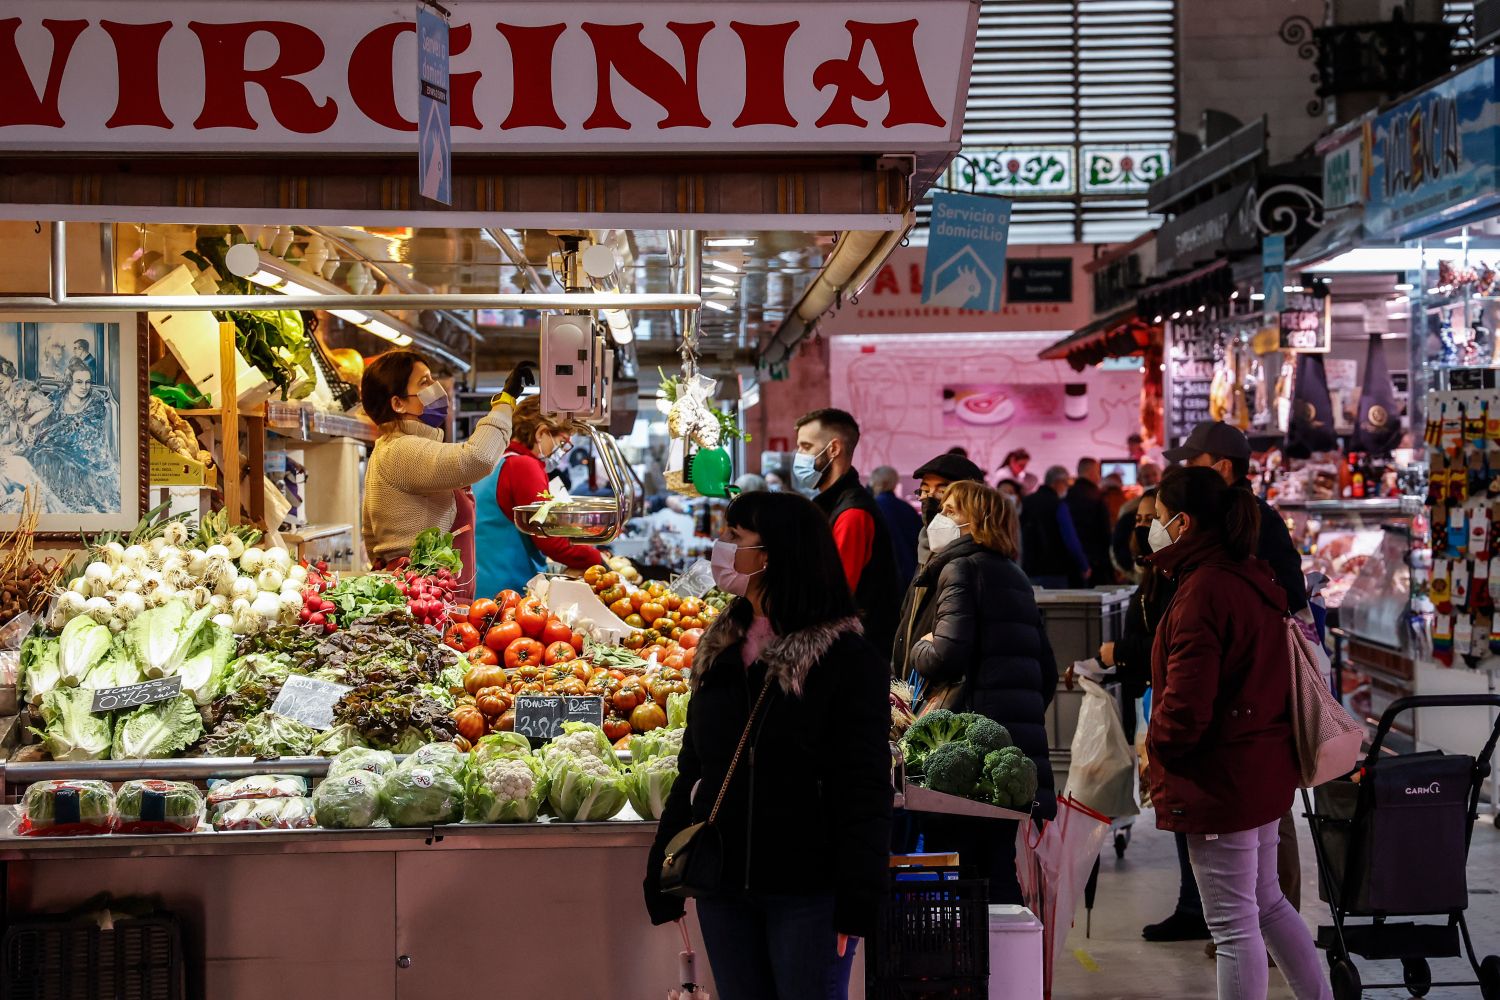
x=826, y=440
x=1050, y=551
x=1086, y=505
x=1225, y=449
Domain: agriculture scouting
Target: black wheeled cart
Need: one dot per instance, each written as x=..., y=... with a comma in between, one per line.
x=1392, y=842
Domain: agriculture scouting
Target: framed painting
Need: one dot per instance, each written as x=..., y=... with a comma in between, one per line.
x=73, y=427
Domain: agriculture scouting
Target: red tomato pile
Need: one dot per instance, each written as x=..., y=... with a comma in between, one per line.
x=512, y=631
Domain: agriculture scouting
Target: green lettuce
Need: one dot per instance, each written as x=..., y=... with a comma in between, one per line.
x=115, y=670
x=422, y=795
x=497, y=746
x=155, y=731
x=377, y=762
x=38, y=671
x=205, y=663
x=583, y=788
x=83, y=644
x=71, y=731
x=649, y=783
x=337, y=740
x=677, y=708
x=656, y=743
x=348, y=801
x=150, y=804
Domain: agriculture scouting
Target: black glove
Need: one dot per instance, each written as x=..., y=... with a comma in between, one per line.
x=521, y=376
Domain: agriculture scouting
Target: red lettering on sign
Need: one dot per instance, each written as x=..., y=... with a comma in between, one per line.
x=765, y=73
x=886, y=281
x=19, y=103
x=901, y=83
x=461, y=86
x=531, y=49
x=914, y=278
x=225, y=76
x=372, y=76
x=618, y=47
x=137, y=58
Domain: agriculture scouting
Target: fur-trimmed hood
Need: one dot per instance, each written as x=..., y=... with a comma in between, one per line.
x=788, y=658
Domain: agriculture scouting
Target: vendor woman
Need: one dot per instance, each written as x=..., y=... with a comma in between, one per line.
x=415, y=480
x=508, y=558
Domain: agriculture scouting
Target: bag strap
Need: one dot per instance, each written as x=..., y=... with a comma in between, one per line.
x=738, y=751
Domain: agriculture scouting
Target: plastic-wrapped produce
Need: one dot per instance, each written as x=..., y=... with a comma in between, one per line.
x=443, y=755
x=348, y=801
x=151, y=805
x=257, y=786
x=376, y=762
x=264, y=814
x=67, y=808
x=422, y=795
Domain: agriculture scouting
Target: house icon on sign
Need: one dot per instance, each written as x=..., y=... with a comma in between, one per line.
x=964, y=281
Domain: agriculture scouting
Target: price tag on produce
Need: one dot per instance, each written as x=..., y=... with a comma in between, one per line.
x=309, y=701
x=135, y=695
x=541, y=716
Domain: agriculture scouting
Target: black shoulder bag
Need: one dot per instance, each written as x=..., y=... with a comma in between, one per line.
x=694, y=862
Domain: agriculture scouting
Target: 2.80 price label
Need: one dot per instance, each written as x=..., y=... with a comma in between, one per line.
x=136, y=695
x=541, y=716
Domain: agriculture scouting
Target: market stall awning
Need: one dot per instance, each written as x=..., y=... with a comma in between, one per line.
x=1210, y=283
x=1118, y=336
x=1343, y=232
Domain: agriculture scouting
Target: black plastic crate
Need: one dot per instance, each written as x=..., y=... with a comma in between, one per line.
x=59, y=959
x=935, y=933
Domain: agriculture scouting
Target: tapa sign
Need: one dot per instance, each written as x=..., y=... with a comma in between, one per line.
x=1435, y=158
x=966, y=240
x=322, y=76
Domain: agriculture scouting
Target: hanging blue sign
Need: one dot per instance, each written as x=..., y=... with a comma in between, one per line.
x=1434, y=159
x=434, y=137
x=966, y=239
x=1273, y=272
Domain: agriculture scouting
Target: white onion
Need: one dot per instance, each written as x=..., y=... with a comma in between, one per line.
x=116, y=624
x=269, y=578
x=266, y=605
x=224, y=622
x=175, y=533
x=234, y=545
x=122, y=575
x=79, y=586
x=239, y=606
x=129, y=605
x=216, y=552
x=134, y=587
x=170, y=553
x=113, y=553
x=155, y=546
x=198, y=596
x=98, y=572
x=197, y=562
x=297, y=573
x=219, y=603
x=157, y=597
x=98, y=609
x=72, y=601
x=243, y=588
x=280, y=558
x=252, y=560
x=136, y=556
x=150, y=580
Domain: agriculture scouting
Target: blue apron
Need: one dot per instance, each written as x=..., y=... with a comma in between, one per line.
x=505, y=558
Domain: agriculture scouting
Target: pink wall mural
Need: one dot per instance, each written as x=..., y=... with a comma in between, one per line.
x=999, y=397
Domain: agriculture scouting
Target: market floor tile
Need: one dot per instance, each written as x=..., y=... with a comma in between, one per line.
x=1114, y=963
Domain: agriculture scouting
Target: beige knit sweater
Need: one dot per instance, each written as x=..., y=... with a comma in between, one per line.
x=412, y=474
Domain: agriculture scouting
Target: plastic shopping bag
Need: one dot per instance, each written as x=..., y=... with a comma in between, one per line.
x=1053, y=866
x=1102, y=772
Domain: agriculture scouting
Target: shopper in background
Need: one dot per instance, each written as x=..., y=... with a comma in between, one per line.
x=750, y=482
x=508, y=558
x=1148, y=475
x=1112, y=492
x=1130, y=658
x=933, y=480
x=414, y=480
x=1085, y=500
x=805, y=824
x=1225, y=449
x=774, y=482
x=902, y=523
x=1051, y=553
x=824, y=467
x=1014, y=469
x=1222, y=765
x=977, y=643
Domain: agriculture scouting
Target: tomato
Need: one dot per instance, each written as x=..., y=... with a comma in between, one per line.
x=467, y=636
x=672, y=601
x=687, y=657
x=453, y=641
x=635, y=621
x=691, y=624
x=582, y=670
x=506, y=723
x=484, y=655
x=616, y=728
x=621, y=609
x=459, y=613
x=470, y=722
x=638, y=599
x=556, y=631
x=592, y=574
x=634, y=640
x=507, y=599
x=663, y=625
x=692, y=607
x=501, y=636
x=529, y=672
x=610, y=579
x=493, y=700
x=651, y=611
x=647, y=716
x=576, y=639
x=690, y=637
x=481, y=611
x=656, y=588
x=573, y=687
x=625, y=699
x=560, y=652
x=524, y=652
x=483, y=675
x=615, y=594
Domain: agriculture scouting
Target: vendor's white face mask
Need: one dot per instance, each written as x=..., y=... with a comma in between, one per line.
x=1159, y=537
x=942, y=532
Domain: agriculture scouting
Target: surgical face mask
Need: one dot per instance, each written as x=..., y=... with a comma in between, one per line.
x=943, y=532
x=726, y=577
x=1159, y=537
x=434, y=400
x=1143, y=538
x=805, y=471
x=931, y=508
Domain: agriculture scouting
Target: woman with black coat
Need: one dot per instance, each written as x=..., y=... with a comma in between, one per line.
x=805, y=821
x=986, y=651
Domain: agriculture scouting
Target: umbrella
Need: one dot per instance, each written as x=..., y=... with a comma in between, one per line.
x=687, y=970
x=1053, y=865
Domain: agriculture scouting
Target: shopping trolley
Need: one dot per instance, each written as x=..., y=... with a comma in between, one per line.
x=1392, y=840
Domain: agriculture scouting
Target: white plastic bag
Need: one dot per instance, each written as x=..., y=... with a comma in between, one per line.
x=1102, y=772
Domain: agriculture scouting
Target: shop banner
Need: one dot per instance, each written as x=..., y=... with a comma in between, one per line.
x=1343, y=184
x=1312, y=426
x=966, y=240
x=1224, y=224
x=1435, y=158
x=1273, y=273
x=1377, y=426
x=341, y=76
x=434, y=137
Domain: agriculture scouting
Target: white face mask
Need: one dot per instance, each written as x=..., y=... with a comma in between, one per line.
x=729, y=579
x=943, y=531
x=1159, y=537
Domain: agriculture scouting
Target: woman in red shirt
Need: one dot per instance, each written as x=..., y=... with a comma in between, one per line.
x=507, y=557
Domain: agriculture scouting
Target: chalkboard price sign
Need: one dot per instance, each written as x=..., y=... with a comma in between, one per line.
x=309, y=701
x=135, y=695
x=541, y=716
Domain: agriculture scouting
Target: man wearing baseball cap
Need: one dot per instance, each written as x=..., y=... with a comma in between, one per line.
x=1225, y=449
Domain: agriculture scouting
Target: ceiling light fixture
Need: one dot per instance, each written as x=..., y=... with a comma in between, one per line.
x=246, y=260
x=719, y=279
x=721, y=307
x=729, y=241
x=724, y=265
x=1404, y=286
x=1257, y=296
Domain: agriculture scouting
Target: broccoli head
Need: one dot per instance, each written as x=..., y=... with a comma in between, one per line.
x=986, y=735
x=953, y=768
x=1010, y=777
x=930, y=731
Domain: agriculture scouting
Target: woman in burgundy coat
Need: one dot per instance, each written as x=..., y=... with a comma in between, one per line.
x=1222, y=767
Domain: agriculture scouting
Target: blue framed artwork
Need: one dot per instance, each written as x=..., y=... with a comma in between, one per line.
x=73, y=421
